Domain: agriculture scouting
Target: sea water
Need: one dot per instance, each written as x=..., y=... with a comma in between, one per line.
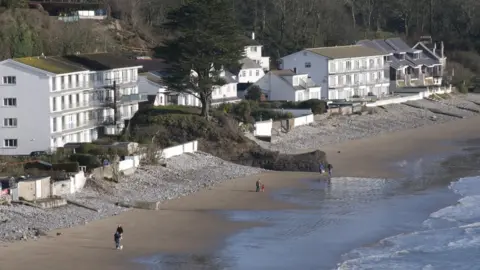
x=352, y=223
x=348, y=213
x=448, y=239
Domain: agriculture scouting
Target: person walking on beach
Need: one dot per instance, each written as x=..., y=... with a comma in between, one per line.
x=257, y=184
x=263, y=187
x=321, y=168
x=329, y=167
x=118, y=237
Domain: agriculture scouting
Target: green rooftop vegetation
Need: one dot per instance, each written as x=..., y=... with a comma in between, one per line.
x=48, y=64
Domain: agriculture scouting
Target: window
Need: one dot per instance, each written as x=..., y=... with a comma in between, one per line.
x=331, y=66
x=253, y=48
x=9, y=80
x=357, y=64
x=10, y=122
x=257, y=72
x=348, y=65
x=250, y=73
x=54, y=124
x=372, y=63
x=308, y=65
x=349, y=79
x=11, y=143
x=10, y=102
x=244, y=73
x=54, y=84
x=379, y=62
x=124, y=75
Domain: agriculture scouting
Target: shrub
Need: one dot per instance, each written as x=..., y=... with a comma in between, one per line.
x=254, y=93
x=317, y=106
x=90, y=161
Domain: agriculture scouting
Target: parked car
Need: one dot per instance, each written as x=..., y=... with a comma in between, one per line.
x=38, y=153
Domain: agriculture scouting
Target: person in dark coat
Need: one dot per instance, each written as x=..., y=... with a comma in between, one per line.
x=118, y=237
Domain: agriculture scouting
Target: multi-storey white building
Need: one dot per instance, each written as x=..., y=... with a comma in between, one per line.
x=343, y=72
x=50, y=101
x=253, y=51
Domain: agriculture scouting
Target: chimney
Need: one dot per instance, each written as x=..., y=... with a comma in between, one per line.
x=441, y=50
x=253, y=35
x=434, y=48
x=295, y=70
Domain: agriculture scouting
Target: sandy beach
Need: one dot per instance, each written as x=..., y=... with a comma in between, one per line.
x=190, y=224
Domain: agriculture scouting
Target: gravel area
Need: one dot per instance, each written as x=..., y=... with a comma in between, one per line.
x=182, y=175
x=390, y=118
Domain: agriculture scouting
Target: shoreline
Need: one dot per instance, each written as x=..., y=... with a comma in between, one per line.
x=366, y=157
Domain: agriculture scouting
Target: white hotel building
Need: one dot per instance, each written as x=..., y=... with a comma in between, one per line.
x=343, y=72
x=47, y=102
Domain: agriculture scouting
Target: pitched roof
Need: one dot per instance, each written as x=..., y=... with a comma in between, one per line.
x=345, y=51
x=249, y=63
x=251, y=42
x=397, y=45
x=283, y=72
x=53, y=64
x=77, y=63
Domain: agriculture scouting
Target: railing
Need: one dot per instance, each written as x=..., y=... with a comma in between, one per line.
x=306, y=84
x=357, y=69
x=71, y=126
x=71, y=86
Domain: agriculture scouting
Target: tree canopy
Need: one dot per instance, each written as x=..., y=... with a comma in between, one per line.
x=205, y=38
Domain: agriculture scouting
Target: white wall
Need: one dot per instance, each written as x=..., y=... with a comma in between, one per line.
x=250, y=75
x=226, y=91
x=263, y=128
x=318, y=69
x=79, y=181
x=32, y=111
x=303, y=120
x=295, y=112
x=61, y=188
x=189, y=147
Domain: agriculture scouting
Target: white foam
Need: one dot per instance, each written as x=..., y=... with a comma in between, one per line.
x=451, y=247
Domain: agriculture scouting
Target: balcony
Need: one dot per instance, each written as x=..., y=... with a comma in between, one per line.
x=358, y=69
x=122, y=99
x=70, y=87
x=65, y=108
x=306, y=83
x=72, y=127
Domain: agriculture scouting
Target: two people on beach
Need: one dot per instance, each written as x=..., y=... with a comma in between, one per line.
x=118, y=237
x=329, y=169
x=259, y=186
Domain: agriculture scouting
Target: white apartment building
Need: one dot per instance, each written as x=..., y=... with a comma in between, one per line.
x=50, y=101
x=253, y=50
x=343, y=72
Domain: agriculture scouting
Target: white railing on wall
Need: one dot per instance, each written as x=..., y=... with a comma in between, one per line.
x=294, y=112
x=303, y=120
x=189, y=147
x=263, y=128
x=132, y=162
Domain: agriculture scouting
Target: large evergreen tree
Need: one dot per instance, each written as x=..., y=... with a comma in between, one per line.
x=205, y=38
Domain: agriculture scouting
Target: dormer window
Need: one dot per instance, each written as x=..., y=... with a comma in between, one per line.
x=253, y=48
x=416, y=56
x=400, y=56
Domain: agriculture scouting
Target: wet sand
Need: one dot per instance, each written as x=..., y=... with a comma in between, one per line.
x=189, y=225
